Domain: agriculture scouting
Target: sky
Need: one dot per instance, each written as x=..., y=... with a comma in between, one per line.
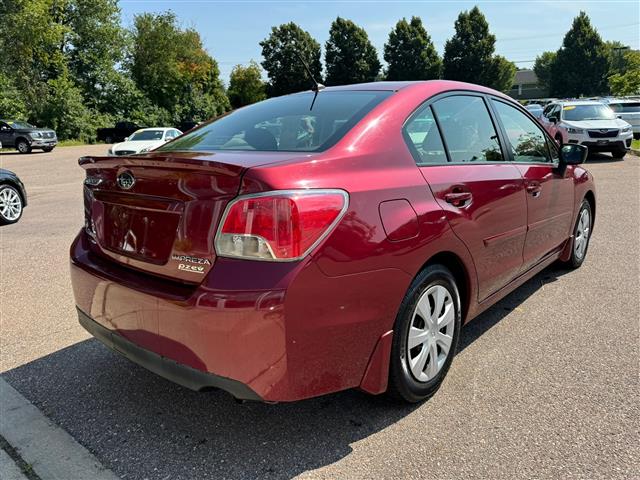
x=231, y=30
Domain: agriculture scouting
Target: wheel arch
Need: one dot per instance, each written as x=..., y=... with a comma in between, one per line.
x=460, y=273
x=7, y=181
x=591, y=198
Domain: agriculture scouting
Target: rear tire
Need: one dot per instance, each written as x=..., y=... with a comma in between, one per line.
x=581, y=235
x=108, y=139
x=11, y=205
x=423, y=348
x=23, y=146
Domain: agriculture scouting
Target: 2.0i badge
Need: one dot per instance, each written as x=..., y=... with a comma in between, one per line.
x=191, y=264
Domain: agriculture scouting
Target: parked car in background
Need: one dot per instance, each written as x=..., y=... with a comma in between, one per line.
x=25, y=137
x=118, y=133
x=13, y=197
x=590, y=123
x=535, y=109
x=345, y=250
x=144, y=140
x=629, y=111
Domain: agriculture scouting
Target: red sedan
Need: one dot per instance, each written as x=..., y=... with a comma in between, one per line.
x=326, y=240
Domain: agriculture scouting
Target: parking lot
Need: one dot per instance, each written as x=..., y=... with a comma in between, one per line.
x=545, y=383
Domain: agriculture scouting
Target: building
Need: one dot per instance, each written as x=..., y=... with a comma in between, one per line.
x=526, y=85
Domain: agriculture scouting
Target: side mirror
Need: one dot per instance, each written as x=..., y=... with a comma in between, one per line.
x=126, y=139
x=619, y=116
x=572, y=154
x=553, y=119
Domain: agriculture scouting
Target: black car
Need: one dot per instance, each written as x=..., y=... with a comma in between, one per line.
x=13, y=197
x=118, y=133
x=24, y=137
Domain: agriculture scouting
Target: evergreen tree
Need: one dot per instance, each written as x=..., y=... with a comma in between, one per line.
x=543, y=67
x=280, y=51
x=581, y=64
x=469, y=54
x=410, y=54
x=349, y=55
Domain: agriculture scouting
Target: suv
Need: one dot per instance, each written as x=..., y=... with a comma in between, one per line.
x=345, y=248
x=24, y=137
x=629, y=111
x=590, y=123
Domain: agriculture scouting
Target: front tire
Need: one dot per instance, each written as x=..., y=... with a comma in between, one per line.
x=23, y=146
x=47, y=149
x=581, y=235
x=425, y=335
x=11, y=205
x=619, y=153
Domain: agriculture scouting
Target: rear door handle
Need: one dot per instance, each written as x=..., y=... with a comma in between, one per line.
x=458, y=199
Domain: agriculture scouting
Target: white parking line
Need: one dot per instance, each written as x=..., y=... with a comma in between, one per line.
x=52, y=453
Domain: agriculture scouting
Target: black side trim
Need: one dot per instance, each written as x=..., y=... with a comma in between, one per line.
x=162, y=366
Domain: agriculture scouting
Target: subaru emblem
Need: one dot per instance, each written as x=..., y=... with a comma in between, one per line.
x=126, y=180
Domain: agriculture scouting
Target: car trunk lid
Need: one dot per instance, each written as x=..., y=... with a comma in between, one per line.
x=158, y=213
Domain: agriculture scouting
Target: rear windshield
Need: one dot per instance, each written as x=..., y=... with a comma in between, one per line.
x=627, y=107
x=289, y=123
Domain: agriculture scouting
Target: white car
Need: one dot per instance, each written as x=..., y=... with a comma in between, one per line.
x=144, y=140
x=590, y=123
x=628, y=110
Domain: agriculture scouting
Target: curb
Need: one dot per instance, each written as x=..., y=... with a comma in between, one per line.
x=50, y=451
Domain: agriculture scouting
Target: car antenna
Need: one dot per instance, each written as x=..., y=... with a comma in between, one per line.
x=316, y=85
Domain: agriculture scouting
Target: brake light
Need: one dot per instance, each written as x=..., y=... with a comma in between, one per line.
x=279, y=226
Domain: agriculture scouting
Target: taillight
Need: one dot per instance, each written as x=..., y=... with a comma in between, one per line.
x=279, y=226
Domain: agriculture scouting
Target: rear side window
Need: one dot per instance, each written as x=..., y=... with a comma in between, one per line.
x=469, y=134
x=627, y=107
x=527, y=142
x=302, y=122
x=421, y=133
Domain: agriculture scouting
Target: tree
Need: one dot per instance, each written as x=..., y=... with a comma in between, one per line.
x=581, y=64
x=627, y=80
x=280, y=51
x=32, y=41
x=171, y=67
x=502, y=73
x=349, y=55
x=96, y=43
x=66, y=112
x=543, y=67
x=410, y=53
x=246, y=85
x=469, y=54
x=11, y=100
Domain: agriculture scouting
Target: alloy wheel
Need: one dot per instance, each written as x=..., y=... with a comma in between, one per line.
x=582, y=234
x=430, y=333
x=10, y=204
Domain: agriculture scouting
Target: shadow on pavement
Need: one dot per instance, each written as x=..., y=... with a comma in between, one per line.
x=602, y=158
x=141, y=426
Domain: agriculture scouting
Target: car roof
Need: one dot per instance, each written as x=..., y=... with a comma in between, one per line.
x=581, y=102
x=154, y=128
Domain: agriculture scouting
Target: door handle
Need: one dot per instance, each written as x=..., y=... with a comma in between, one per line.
x=534, y=188
x=458, y=199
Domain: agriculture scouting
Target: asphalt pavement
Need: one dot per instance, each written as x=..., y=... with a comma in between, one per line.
x=545, y=384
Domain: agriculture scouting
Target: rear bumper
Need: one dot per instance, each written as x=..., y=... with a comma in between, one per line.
x=276, y=332
x=163, y=366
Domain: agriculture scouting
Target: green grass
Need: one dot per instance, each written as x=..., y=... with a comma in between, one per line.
x=635, y=144
x=70, y=143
